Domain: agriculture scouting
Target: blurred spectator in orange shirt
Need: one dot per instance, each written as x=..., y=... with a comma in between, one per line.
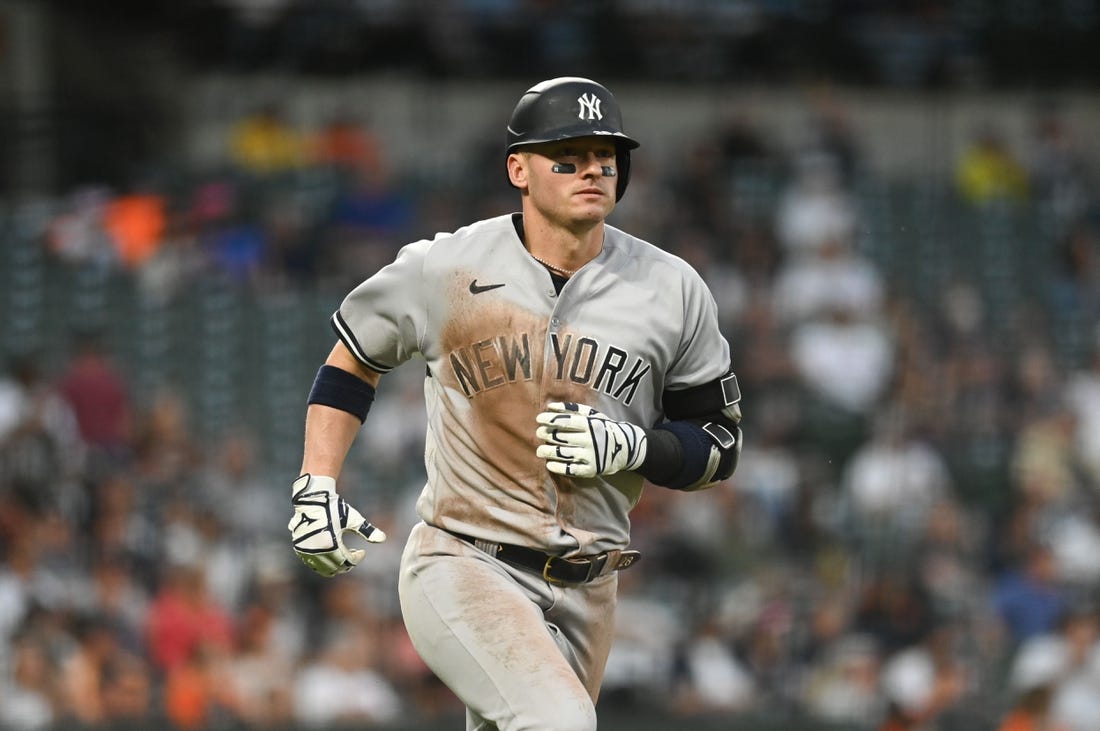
x=345, y=143
x=135, y=224
x=197, y=691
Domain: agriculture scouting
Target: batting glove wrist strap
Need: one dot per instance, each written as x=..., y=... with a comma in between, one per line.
x=320, y=520
x=579, y=441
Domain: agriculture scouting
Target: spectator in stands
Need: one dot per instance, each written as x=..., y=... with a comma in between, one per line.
x=345, y=143
x=988, y=171
x=116, y=596
x=741, y=142
x=843, y=685
x=135, y=223
x=237, y=247
x=1029, y=598
x=1052, y=677
x=129, y=693
x=893, y=608
x=28, y=687
x=368, y=215
x=641, y=665
x=833, y=133
x=1037, y=669
x=231, y=486
x=832, y=275
x=1082, y=396
x=1075, y=285
x=259, y=673
x=101, y=683
x=1058, y=168
x=183, y=618
x=177, y=263
x=27, y=587
x=948, y=557
x=167, y=453
x=76, y=235
x=845, y=358
x=769, y=476
x=892, y=483
x=96, y=389
x=717, y=681
x=921, y=683
x=341, y=685
x=41, y=450
x=1076, y=702
x=1043, y=462
x=263, y=144
x=815, y=208
x=907, y=682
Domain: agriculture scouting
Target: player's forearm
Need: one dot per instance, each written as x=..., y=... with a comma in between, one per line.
x=328, y=437
x=338, y=405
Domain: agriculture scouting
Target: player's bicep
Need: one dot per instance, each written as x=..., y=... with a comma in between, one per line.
x=342, y=358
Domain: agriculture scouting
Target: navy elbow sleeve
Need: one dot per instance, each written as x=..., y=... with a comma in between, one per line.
x=683, y=465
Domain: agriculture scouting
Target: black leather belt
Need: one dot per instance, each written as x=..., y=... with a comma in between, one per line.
x=555, y=569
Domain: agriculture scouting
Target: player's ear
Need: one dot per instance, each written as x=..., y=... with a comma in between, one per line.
x=518, y=169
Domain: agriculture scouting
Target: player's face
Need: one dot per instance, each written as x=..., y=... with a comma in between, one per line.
x=578, y=191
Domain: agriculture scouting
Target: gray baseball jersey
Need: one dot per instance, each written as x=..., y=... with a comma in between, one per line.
x=500, y=343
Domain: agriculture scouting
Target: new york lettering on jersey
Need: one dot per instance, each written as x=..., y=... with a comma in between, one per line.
x=581, y=360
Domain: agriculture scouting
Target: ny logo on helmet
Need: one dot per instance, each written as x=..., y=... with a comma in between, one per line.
x=590, y=107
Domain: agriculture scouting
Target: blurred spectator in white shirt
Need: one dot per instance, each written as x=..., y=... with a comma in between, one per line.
x=815, y=208
x=717, y=680
x=844, y=359
x=894, y=479
x=843, y=686
x=341, y=686
x=28, y=691
x=1076, y=703
x=1082, y=396
x=834, y=276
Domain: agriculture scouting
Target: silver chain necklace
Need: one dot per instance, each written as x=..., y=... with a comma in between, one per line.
x=559, y=270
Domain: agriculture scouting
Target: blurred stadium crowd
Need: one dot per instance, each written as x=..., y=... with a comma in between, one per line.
x=910, y=541
x=914, y=524
x=912, y=44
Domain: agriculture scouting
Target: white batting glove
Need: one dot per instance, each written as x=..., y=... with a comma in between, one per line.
x=321, y=517
x=583, y=442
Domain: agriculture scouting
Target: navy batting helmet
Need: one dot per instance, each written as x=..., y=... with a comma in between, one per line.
x=568, y=107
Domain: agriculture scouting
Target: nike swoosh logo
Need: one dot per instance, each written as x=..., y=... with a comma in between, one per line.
x=476, y=288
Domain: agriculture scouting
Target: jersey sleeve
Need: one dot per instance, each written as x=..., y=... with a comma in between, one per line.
x=382, y=319
x=703, y=354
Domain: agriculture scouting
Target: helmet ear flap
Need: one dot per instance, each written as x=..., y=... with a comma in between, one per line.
x=622, y=177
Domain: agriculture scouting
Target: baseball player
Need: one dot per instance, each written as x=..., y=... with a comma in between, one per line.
x=567, y=362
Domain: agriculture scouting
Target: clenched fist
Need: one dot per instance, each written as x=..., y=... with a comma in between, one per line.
x=579, y=441
x=321, y=517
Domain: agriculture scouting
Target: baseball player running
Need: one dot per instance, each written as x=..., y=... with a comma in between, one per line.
x=567, y=362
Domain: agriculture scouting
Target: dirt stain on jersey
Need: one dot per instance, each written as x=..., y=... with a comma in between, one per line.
x=494, y=352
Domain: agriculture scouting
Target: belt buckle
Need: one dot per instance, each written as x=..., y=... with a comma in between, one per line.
x=595, y=566
x=546, y=572
x=576, y=562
